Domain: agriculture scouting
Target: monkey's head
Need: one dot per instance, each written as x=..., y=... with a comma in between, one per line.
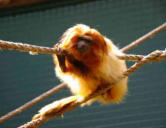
x=87, y=47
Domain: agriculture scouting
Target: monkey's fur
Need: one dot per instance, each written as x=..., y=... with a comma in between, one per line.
x=93, y=63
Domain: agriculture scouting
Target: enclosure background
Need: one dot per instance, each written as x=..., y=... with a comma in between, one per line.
x=23, y=77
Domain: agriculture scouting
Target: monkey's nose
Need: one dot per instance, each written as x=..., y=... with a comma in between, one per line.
x=83, y=46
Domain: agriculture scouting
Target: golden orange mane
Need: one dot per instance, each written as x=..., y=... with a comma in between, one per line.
x=92, y=57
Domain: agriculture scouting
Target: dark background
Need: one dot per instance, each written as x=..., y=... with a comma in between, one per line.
x=23, y=77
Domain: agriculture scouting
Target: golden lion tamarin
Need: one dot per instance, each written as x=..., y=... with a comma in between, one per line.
x=94, y=64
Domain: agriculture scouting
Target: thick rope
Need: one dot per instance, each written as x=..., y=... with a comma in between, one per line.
x=130, y=57
x=33, y=49
x=34, y=123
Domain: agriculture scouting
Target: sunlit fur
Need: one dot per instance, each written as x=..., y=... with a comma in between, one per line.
x=104, y=67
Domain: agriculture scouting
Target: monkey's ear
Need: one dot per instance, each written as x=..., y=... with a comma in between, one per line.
x=61, y=60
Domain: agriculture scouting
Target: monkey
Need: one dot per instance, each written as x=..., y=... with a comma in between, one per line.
x=94, y=63
x=91, y=64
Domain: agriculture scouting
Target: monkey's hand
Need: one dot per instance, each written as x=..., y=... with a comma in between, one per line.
x=54, y=109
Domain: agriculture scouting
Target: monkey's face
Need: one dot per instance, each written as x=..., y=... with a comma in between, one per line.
x=86, y=45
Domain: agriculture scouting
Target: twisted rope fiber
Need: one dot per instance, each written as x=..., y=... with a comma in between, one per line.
x=131, y=57
x=33, y=123
x=17, y=46
x=29, y=48
x=152, y=56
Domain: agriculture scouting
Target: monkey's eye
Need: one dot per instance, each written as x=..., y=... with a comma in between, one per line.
x=84, y=43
